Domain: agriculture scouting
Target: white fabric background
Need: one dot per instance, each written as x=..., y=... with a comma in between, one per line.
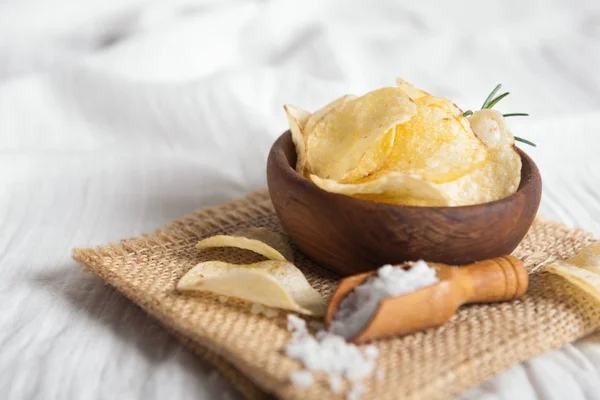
x=119, y=116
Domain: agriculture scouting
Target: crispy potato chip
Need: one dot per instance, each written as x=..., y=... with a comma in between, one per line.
x=438, y=144
x=408, y=88
x=297, y=118
x=582, y=278
x=403, y=200
x=588, y=258
x=499, y=177
x=489, y=126
x=272, y=245
x=373, y=159
x=582, y=270
x=393, y=187
x=277, y=284
x=320, y=114
x=338, y=142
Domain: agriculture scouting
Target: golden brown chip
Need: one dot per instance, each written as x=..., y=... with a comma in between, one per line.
x=277, y=284
x=582, y=270
x=338, y=142
x=583, y=278
x=499, y=177
x=413, y=92
x=490, y=128
x=392, y=187
x=297, y=118
x=373, y=160
x=321, y=113
x=272, y=245
x=437, y=145
x=588, y=258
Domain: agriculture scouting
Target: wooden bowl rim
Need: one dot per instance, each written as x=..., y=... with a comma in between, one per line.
x=525, y=186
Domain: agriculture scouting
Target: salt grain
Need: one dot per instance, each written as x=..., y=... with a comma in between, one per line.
x=223, y=299
x=357, y=309
x=296, y=325
x=356, y=392
x=371, y=352
x=380, y=375
x=335, y=383
x=302, y=378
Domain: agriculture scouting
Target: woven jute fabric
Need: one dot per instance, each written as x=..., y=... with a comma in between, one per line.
x=479, y=342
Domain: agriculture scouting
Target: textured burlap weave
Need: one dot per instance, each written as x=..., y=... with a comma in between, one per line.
x=478, y=343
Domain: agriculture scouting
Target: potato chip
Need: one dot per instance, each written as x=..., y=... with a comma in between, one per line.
x=588, y=258
x=392, y=187
x=580, y=277
x=499, y=177
x=272, y=245
x=374, y=159
x=297, y=118
x=404, y=200
x=320, y=114
x=277, y=284
x=490, y=128
x=412, y=92
x=437, y=145
x=583, y=270
x=338, y=142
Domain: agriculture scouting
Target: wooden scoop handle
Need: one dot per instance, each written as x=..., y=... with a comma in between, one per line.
x=499, y=279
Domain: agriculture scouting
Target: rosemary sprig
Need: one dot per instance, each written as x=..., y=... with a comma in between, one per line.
x=496, y=100
x=491, y=101
x=518, y=139
x=491, y=95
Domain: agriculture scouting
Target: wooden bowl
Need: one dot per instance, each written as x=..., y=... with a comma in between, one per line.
x=350, y=235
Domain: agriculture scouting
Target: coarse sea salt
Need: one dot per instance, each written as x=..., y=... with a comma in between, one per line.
x=302, y=378
x=331, y=354
x=357, y=309
x=328, y=351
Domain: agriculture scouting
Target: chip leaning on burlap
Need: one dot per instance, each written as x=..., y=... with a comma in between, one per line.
x=479, y=342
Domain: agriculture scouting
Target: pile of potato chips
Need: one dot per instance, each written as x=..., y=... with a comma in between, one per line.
x=401, y=145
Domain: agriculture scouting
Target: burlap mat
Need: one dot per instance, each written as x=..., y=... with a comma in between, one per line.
x=478, y=343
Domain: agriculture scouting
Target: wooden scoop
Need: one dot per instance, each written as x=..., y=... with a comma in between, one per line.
x=498, y=279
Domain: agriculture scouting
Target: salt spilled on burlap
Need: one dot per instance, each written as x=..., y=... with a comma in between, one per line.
x=329, y=352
